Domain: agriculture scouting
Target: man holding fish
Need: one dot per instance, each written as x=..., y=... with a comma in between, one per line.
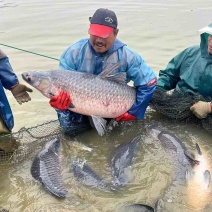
x=98, y=53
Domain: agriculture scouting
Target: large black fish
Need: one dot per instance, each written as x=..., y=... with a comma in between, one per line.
x=121, y=161
x=46, y=169
x=87, y=176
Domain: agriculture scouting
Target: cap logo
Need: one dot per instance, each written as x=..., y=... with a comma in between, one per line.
x=109, y=20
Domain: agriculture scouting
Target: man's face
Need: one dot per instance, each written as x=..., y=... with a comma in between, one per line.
x=101, y=45
x=210, y=44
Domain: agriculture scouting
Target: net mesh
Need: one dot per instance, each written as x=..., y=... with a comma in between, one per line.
x=29, y=140
x=177, y=106
x=16, y=147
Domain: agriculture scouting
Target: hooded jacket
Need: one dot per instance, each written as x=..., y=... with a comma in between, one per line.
x=82, y=57
x=190, y=71
x=7, y=80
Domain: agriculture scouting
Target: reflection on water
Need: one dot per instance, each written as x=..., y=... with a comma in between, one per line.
x=158, y=30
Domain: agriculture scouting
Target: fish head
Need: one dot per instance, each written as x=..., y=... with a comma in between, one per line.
x=39, y=80
x=153, y=130
x=78, y=164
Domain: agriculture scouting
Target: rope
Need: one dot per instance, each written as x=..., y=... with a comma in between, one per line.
x=29, y=51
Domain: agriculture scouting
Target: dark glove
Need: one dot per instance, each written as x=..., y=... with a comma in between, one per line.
x=19, y=91
x=61, y=102
x=125, y=117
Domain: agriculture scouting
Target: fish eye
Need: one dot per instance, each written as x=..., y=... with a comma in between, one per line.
x=28, y=78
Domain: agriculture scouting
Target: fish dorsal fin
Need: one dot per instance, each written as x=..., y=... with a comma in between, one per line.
x=118, y=77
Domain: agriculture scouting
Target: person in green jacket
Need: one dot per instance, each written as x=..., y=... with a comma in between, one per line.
x=190, y=72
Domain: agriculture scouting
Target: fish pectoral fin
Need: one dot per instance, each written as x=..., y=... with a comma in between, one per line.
x=191, y=158
x=100, y=124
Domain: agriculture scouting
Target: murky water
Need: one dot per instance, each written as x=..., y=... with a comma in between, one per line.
x=158, y=30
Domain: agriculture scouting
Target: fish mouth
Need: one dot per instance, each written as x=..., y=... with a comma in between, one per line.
x=26, y=76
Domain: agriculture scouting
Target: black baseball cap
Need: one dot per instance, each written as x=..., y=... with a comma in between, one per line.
x=103, y=22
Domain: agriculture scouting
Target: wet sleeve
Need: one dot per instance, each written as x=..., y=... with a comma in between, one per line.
x=169, y=77
x=65, y=119
x=7, y=76
x=68, y=119
x=144, y=79
x=143, y=96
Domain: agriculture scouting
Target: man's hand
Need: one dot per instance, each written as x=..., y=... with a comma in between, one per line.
x=125, y=117
x=61, y=102
x=201, y=109
x=19, y=91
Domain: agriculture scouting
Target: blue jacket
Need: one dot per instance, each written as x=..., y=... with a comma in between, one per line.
x=7, y=80
x=81, y=57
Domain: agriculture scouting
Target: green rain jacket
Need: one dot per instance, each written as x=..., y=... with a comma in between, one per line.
x=191, y=70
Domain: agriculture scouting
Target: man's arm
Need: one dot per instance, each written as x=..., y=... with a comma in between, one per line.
x=10, y=81
x=144, y=80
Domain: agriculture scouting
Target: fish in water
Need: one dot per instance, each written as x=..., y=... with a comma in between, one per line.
x=172, y=145
x=106, y=95
x=175, y=148
x=181, y=158
x=136, y=208
x=46, y=169
x=87, y=176
x=121, y=161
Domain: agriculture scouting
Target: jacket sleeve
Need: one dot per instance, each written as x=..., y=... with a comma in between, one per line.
x=143, y=96
x=7, y=76
x=144, y=79
x=169, y=77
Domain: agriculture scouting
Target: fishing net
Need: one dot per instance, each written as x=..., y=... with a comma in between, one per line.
x=26, y=141
x=19, y=145
x=177, y=106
